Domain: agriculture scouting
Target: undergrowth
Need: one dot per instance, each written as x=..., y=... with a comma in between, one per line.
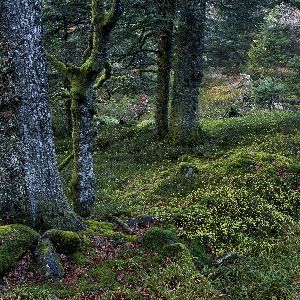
x=235, y=195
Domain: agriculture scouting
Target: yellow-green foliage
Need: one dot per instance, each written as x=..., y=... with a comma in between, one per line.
x=179, y=279
x=15, y=241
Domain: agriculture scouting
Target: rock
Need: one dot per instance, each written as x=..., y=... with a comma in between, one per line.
x=188, y=169
x=143, y=221
x=67, y=242
x=189, y=172
x=48, y=261
x=15, y=241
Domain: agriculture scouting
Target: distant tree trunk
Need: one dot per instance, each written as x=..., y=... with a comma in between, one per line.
x=165, y=47
x=30, y=187
x=187, y=71
x=82, y=80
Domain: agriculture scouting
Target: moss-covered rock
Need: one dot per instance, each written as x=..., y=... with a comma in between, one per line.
x=15, y=241
x=95, y=228
x=48, y=262
x=157, y=239
x=64, y=241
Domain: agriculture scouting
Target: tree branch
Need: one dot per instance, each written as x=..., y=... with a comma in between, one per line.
x=66, y=161
x=106, y=74
x=102, y=25
x=57, y=64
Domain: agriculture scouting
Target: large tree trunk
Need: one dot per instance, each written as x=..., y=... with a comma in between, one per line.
x=165, y=43
x=187, y=71
x=30, y=187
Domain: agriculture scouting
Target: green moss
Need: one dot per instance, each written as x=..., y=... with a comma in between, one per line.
x=199, y=254
x=79, y=258
x=157, y=239
x=64, y=241
x=104, y=275
x=15, y=241
x=107, y=230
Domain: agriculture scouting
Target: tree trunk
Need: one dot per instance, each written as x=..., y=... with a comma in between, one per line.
x=165, y=43
x=82, y=185
x=82, y=80
x=187, y=71
x=30, y=187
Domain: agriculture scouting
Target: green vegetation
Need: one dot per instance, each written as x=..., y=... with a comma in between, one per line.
x=64, y=241
x=15, y=242
x=196, y=193
x=228, y=208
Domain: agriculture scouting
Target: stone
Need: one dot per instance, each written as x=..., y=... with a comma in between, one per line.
x=48, y=261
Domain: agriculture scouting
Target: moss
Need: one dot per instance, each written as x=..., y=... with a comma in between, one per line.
x=15, y=241
x=199, y=254
x=64, y=241
x=107, y=230
x=157, y=239
x=104, y=275
x=79, y=258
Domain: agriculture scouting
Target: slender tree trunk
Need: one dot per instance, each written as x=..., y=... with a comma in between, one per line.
x=30, y=187
x=187, y=71
x=82, y=80
x=82, y=185
x=165, y=43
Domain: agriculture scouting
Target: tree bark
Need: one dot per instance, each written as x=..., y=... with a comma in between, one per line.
x=165, y=47
x=187, y=71
x=30, y=187
x=82, y=80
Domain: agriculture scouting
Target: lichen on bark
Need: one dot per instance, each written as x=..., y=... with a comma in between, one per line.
x=165, y=54
x=82, y=80
x=188, y=67
x=30, y=187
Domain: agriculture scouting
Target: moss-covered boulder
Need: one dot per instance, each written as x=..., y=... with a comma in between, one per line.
x=156, y=239
x=48, y=262
x=96, y=228
x=15, y=241
x=64, y=241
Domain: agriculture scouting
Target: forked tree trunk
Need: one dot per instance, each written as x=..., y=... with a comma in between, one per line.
x=82, y=80
x=30, y=187
x=187, y=71
x=165, y=47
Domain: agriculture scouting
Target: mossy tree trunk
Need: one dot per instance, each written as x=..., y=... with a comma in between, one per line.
x=30, y=187
x=165, y=47
x=82, y=80
x=187, y=71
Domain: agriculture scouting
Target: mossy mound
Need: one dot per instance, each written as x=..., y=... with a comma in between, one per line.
x=64, y=241
x=105, y=229
x=157, y=239
x=15, y=241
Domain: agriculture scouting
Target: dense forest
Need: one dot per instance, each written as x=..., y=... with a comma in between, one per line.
x=150, y=149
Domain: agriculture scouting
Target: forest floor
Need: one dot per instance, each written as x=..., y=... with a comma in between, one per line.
x=221, y=218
